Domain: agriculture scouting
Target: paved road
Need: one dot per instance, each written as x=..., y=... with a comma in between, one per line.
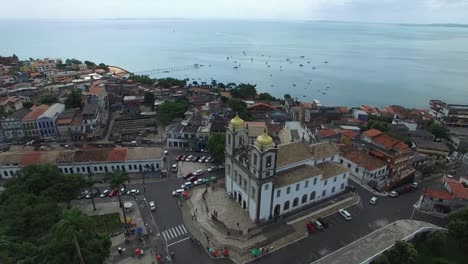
x=366, y=218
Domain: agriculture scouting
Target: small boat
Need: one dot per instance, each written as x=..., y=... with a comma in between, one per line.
x=287, y=59
x=302, y=57
x=235, y=67
x=294, y=84
x=325, y=62
x=308, y=62
x=263, y=55
x=271, y=75
x=166, y=71
x=324, y=93
x=313, y=68
x=304, y=96
x=300, y=65
x=268, y=66
x=227, y=58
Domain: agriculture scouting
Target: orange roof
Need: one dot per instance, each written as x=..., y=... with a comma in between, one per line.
x=35, y=113
x=199, y=89
x=401, y=146
x=362, y=159
x=458, y=189
x=96, y=90
x=350, y=133
x=31, y=158
x=117, y=154
x=343, y=109
x=64, y=121
x=261, y=104
x=377, y=153
x=327, y=132
x=306, y=104
x=438, y=194
x=389, y=142
x=372, y=133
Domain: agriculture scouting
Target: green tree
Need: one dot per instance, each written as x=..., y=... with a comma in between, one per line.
x=458, y=226
x=214, y=84
x=73, y=99
x=240, y=108
x=216, y=144
x=438, y=130
x=49, y=99
x=170, y=82
x=72, y=61
x=91, y=65
x=287, y=96
x=66, y=188
x=382, y=259
x=103, y=67
x=436, y=240
x=90, y=182
x=266, y=97
x=143, y=79
x=116, y=180
x=168, y=111
x=403, y=252
x=27, y=105
x=149, y=99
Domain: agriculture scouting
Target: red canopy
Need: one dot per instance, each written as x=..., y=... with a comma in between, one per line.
x=158, y=257
x=214, y=252
x=225, y=252
x=137, y=251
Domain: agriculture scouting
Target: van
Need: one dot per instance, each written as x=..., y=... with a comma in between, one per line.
x=346, y=215
x=174, y=167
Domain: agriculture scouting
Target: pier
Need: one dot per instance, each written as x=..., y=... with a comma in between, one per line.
x=168, y=70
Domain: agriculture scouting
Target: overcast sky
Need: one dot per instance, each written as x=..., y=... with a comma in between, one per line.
x=398, y=11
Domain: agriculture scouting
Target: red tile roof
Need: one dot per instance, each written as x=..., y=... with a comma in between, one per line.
x=350, y=133
x=361, y=158
x=327, y=132
x=458, y=189
x=64, y=121
x=343, y=109
x=389, y=142
x=372, y=133
x=31, y=158
x=377, y=153
x=438, y=194
x=35, y=113
x=261, y=104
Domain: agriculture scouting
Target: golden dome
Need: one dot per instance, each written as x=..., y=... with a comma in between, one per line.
x=237, y=122
x=264, y=139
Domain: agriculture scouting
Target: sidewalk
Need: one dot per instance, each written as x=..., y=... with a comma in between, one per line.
x=271, y=237
x=365, y=186
x=371, y=246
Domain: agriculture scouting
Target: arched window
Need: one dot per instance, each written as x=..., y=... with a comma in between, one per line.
x=286, y=206
x=295, y=202
x=304, y=198
x=312, y=196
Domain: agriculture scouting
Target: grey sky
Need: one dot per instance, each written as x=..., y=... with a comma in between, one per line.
x=405, y=11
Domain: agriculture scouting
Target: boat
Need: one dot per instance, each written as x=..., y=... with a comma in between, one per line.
x=325, y=62
x=268, y=66
x=166, y=71
x=302, y=57
x=324, y=93
x=308, y=62
x=294, y=84
x=313, y=68
x=235, y=67
x=300, y=65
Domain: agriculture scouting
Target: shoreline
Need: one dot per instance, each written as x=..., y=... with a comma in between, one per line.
x=118, y=70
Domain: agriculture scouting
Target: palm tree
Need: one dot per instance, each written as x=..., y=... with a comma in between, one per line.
x=90, y=184
x=116, y=179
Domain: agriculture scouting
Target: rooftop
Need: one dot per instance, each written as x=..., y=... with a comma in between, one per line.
x=324, y=150
x=292, y=153
x=361, y=158
x=20, y=113
x=330, y=169
x=53, y=110
x=430, y=145
x=35, y=113
x=438, y=194
x=458, y=190
x=296, y=174
x=372, y=133
x=90, y=109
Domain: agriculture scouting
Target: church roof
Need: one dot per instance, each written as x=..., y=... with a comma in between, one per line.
x=330, y=169
x=292, y=153
x=296, y=174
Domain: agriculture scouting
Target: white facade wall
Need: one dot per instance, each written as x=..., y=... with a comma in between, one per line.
x=265, y=201
x=331, y=186
x=7, y=172
x=359, y=172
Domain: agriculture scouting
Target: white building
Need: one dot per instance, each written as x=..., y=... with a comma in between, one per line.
x=363, y=166
x=85, y=161
x=268, y=180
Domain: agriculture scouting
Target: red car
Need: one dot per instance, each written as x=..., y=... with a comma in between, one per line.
x=188, y=175
x=183, y=158
x=113, y=193
x=178, y=158
x=192, y=179
x=310, y=228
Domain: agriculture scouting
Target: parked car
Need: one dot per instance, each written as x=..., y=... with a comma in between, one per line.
x=192, y=179
x=199, y=182
x=104, y=193
x=350, y=188
x=122, y=190
x=317, y=224
x=188, y=175
x=198, y=172
x=373, y=200
x=213, y=168
x=186, y=185
x=166, y=152
x=202, y=159
x=183, y=158
x=310, y=228
x=179, y=157
x=415, y=185
x=393, y=194
x=135, y=191
x=152, y=206
x=222, y=166
x=195, y=159
x=209, y=159
x=113, y=193
x=323, y=222
x=177, y=192
x=189, y=158
x=346, y=215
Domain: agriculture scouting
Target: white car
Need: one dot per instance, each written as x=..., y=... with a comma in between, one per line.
x=199, y=182
x=198, y=172
x=393, y=194
x=210, y=169
x=104, y=193
x=178, y=192
x=135, y=191
x=202, y=159
x=186, y=185
x=189, y=158
x=166, y=152
x=152, y=206
x=373, y=200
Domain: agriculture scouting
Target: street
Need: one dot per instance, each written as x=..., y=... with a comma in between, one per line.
x=365, y=219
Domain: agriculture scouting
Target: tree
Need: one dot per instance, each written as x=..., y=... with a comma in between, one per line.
x=245, y=91
x=91, y=65
x=438, y=130
x=403, y=252
x=214, y=84
x=216, y=145
x=458, y=226
x=382, y=259
x=73, y=99
x=436, y=240
x=48, y=99
x=221, y=85
x=149, y=99
x=116, y=180
x=266, y=97
x=89, y=182
x=170, y=82
x=195, y=83
x=287, y=96
x=240, y=108
x=66, y=188
x=103, y=67
x=168, y=111
x=143, y=79
x=27, y=105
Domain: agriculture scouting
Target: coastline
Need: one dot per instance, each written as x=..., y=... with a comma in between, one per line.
x=118, y=70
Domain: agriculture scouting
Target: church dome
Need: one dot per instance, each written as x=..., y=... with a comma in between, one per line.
x=237, y=122
x=264, y=139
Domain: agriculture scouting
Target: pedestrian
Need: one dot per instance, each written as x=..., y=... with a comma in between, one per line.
x=196, y=210
x=172, y=255
x=237, y=224
x=119, y=250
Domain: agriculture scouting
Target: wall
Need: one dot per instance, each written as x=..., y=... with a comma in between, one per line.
x=369, y=175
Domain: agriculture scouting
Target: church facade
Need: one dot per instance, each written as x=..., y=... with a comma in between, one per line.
x=268, y=180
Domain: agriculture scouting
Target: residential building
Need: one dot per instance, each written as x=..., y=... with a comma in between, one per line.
x=396, y=154
x=410, y=124
x=452, y=115
x=269, y=180
x=448, y=196
x=12, y=126
x=360, y=115
x=260, y=110
x=438, y=151
x=46, y=121
x=192, y=132
x=85, y=161
x=63, y=77
x=458, y=138
x=30, y=127
x=64, y=124
x=364, y=167
x=11, y=104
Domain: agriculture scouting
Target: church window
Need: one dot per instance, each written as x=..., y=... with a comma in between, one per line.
x=315, y=181
x=288, y=190
x=278, y=193
x=295, y=202
x=229, y=139
x=268, y=161
x=286, y=206
x=267, y=186
x=306, y=184
x=297, y=187
x=255, y=159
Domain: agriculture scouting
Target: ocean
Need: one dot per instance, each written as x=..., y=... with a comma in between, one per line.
x=342, y=63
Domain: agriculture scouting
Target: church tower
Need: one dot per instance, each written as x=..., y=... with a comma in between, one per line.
x=236, y=136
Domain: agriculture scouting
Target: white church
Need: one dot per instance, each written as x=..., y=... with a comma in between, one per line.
x=268, y=180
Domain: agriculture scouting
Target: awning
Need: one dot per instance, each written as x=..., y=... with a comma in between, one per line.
x=255, y=252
